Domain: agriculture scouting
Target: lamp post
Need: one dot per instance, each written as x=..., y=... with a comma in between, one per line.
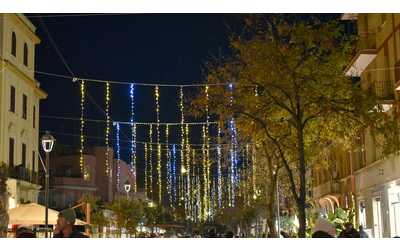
x=47, y=144
x=127, y=187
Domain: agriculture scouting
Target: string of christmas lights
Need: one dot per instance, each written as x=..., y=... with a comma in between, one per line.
x=205, y=189
x=174, y=175
x=146, y=176
x=182, y=164
x=159, y=181
x=82, y=137
x=219, y=170
x=133, y=134
x=168, y=166
x=233, y=153
x=151, y=162
x=117, y=151
x=107, y=130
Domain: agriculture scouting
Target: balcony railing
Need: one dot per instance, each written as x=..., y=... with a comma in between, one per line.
x=24, y=174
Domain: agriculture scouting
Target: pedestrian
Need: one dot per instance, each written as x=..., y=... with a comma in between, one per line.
x=229, y=234
x=323, y=229
x=65, y=225
x=349, y=231
x=284, y=234
x=24, y=232
x=363, y=234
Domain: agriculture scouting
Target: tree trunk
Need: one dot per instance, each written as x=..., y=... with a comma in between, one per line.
x=271, y=209
x=301, y=202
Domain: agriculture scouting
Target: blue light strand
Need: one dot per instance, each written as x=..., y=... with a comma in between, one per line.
x=174, y=174
x=233, y=153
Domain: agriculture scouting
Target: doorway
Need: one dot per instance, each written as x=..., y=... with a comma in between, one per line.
x=377, y=213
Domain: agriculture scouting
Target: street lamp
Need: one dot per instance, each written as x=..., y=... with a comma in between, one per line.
x=127, y=187
x=47, y=144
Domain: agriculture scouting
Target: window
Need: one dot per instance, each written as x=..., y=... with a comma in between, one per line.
x=25, y=54
x=11, y=152
x=23, y=157
x=12, y=99
x=33, y=161
x=24, y=106
x=13, y=44
x=34, y=116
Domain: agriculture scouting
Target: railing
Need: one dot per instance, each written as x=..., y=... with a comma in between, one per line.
x=23, y=173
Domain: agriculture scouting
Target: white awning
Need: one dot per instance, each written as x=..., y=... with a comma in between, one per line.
x=34, y=214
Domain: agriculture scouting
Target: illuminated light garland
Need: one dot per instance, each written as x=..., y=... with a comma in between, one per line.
x=159, y=181
x=107, y=131
x=174, y=175
x=82, y=137
x=254, y=170
x=151, y=161
x=187, y=167
x=193, y=186
x=133, y=142
x=145, y=171
x=118, y=151
x=219, y=171
x=182, y=164
x=247, y=171
x=205, y=189
x=207, y=142
x=233, y=153
x=169, y=178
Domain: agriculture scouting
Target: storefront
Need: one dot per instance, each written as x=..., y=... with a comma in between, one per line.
x=378, y=197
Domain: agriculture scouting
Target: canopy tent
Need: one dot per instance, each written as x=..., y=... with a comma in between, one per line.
x=34, y=214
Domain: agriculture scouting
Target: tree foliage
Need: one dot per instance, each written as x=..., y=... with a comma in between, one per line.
x=289, y=89
x=128, y=213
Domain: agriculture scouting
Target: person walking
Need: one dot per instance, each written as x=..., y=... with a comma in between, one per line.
x=363, y=234
x=323, y=229
x=349, y=231
x=65, y=225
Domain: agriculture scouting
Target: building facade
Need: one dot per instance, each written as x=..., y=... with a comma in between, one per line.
x=68, y=185
x=377, y=63
x=363, y=173
x=20, y=95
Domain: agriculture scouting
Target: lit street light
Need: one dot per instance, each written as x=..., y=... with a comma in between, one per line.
x=127, y=187
x=47, y=144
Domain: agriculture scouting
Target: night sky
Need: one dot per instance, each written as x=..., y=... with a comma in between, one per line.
x=156, y=48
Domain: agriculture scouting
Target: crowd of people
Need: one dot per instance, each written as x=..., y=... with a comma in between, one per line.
x=66, y=220
x=324, y=229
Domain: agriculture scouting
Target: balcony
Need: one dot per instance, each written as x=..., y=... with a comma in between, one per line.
x=365, y=55
x=23, y=174
x=329, y=187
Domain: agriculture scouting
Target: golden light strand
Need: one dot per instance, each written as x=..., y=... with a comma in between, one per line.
x=107, y=131
x=207, y=141
x=187, y=153
x=169, y=191
x=159, y=181
x=151, y=161
x=82, y=137
x=183, y=170
x=205, y=194
x=254, y=171
x=145, y=170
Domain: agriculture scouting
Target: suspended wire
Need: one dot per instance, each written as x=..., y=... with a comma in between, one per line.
x=53, y=43
x=127, y=123
x=90, y=80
